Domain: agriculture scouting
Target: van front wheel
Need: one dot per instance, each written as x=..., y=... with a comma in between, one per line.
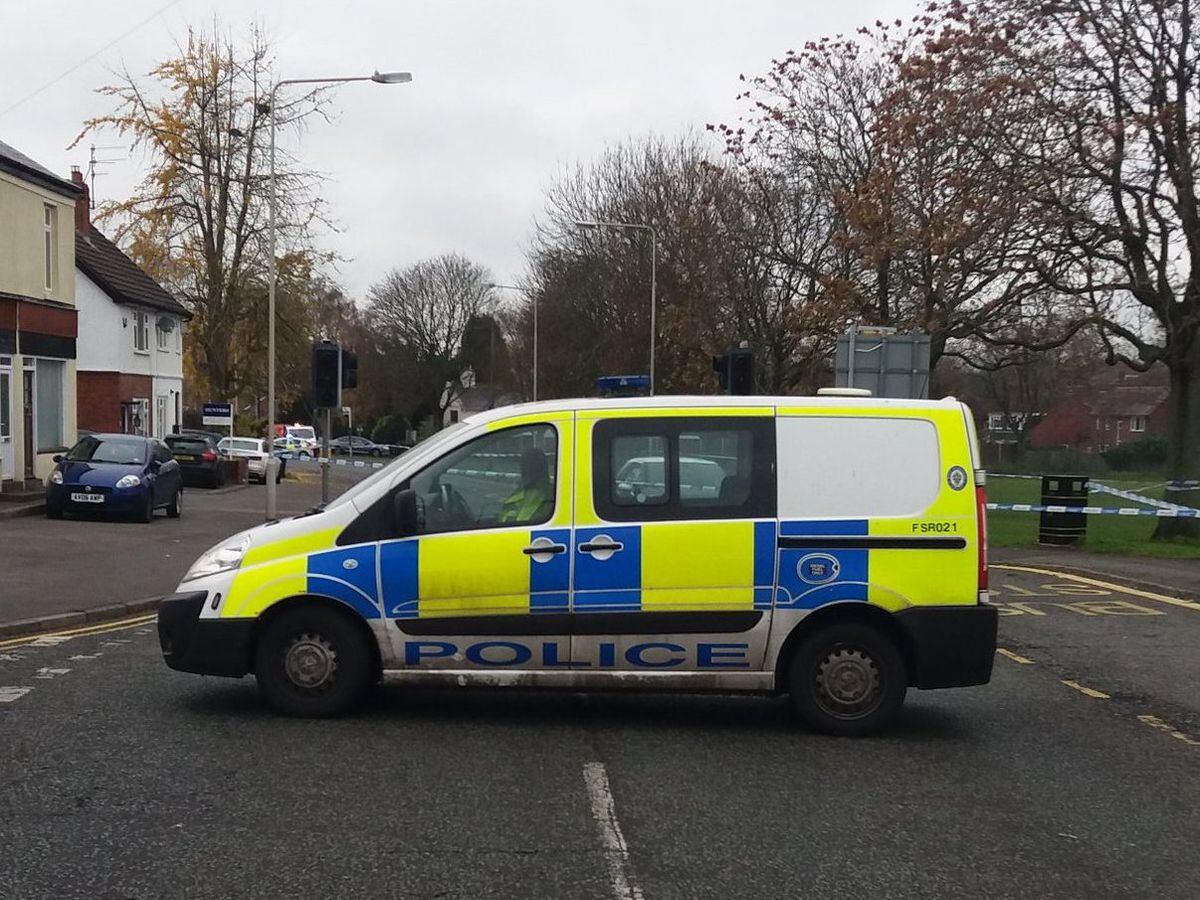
x=848, y=679
x=313, y=662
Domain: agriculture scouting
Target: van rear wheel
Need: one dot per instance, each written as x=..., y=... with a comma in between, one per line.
x=313, y=662
x=848, y=679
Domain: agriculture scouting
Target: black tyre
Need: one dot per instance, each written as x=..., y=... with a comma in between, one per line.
x=848, y=679
x=175, y=507
x=313, y=662
x=146, y=513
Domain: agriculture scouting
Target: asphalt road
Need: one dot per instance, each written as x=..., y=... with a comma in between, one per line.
x=1076, y=773
x=49, y=567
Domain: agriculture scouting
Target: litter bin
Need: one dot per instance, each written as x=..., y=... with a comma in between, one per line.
x=1061, y=528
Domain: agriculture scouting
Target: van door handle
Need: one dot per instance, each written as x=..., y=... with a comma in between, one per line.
x=539, y=549
x=602, y=547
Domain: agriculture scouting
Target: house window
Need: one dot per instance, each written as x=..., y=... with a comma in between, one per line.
x=1137, y=424
x=160, y=334
x=49, y=408
x=995, y=421
x=179, y=338
x=453, y=416
x=141, y=332
x=50, y=242
x=160, y=416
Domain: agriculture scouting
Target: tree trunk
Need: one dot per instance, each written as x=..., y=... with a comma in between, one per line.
x=1183, y=435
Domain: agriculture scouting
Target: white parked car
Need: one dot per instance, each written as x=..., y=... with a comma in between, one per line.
x=254, y=451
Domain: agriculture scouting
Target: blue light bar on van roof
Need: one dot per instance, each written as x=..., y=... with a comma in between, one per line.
x=607, y=384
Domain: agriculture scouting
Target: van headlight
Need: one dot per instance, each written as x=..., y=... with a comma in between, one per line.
x=224, y=557
x=129, y=481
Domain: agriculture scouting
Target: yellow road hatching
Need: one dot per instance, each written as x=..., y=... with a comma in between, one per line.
x=1095, y=582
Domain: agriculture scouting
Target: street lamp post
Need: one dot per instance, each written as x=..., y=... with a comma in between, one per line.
x=635, y=226
x=533, y=297
x=272, y=463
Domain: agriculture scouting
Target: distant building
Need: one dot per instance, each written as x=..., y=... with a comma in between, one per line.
x=1117, y=409
x=471, y=397
x=38, y=324
x=130, y=365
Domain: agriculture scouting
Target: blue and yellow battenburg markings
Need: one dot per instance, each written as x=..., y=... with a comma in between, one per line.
x=628, y=581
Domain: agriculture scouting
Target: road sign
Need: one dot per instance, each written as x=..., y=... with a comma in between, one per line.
x=218, y=414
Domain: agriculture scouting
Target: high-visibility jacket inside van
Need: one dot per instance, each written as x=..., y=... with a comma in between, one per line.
x=829, y=547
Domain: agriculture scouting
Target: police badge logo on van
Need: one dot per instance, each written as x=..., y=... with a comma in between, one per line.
x=957, y=478
x=818, y=568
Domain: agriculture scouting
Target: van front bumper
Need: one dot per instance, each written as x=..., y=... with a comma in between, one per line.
x=952, y=646
x=202, y=646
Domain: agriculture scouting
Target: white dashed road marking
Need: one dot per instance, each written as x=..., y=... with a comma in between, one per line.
x=9, y=694
x=616, y=851
x=49, y=640
x=48, y=672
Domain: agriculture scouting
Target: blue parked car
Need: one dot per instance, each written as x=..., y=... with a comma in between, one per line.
x=116, y=474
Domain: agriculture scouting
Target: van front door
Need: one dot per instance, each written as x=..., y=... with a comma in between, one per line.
x=674, y=565
x=485, y=581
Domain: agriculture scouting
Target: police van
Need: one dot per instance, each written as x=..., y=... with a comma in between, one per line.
x=832, y=548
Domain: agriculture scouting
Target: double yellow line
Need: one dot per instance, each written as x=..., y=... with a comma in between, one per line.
x=99, y=628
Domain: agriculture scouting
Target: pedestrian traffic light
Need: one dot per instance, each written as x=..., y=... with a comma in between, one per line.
x=326, y=375
x=735, y=370
x=349, y=370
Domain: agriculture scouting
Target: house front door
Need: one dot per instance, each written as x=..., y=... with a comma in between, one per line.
x=7, y=453
x=30, y=420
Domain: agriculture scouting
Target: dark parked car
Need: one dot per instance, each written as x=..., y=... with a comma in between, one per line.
x=359, y=446
x=198, y=459
x=115, y=474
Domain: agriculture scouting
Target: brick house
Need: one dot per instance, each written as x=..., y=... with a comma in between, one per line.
x=130, y=367
x=1120, y=408
x=38, y=323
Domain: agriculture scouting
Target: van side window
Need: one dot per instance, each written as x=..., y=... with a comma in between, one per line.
x=504, y=478
x=651, y=469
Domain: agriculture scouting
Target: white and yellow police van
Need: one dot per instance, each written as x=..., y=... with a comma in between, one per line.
x=830, y=547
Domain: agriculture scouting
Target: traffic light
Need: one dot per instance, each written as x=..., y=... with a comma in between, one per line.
x=326, y=375
x=735, y=370
x=349, y=370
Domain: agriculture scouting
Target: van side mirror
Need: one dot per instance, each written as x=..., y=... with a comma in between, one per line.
x=406, y=513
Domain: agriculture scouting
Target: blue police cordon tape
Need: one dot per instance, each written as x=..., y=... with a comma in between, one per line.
x=1165, y=507
x=364, y=464
x=1181, y=512
x=356, y=463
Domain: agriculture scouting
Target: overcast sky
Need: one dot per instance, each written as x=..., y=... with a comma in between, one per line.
x=505, y=95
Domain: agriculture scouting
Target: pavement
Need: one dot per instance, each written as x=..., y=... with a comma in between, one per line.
x=1075, y=773
x=72, y=566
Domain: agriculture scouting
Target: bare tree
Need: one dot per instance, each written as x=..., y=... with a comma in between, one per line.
x=424, y=311
x=1116, y=85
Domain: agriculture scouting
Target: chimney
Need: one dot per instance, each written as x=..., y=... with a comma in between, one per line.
x=83, y=204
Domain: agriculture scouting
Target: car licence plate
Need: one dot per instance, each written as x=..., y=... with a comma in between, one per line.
x=184, y=458
x=87, y=498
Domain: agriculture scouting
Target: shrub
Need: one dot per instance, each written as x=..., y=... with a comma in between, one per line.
x=389, y=430
x=1149, y=452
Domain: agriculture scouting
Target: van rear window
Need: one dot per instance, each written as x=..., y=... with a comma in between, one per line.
x=849, y=467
